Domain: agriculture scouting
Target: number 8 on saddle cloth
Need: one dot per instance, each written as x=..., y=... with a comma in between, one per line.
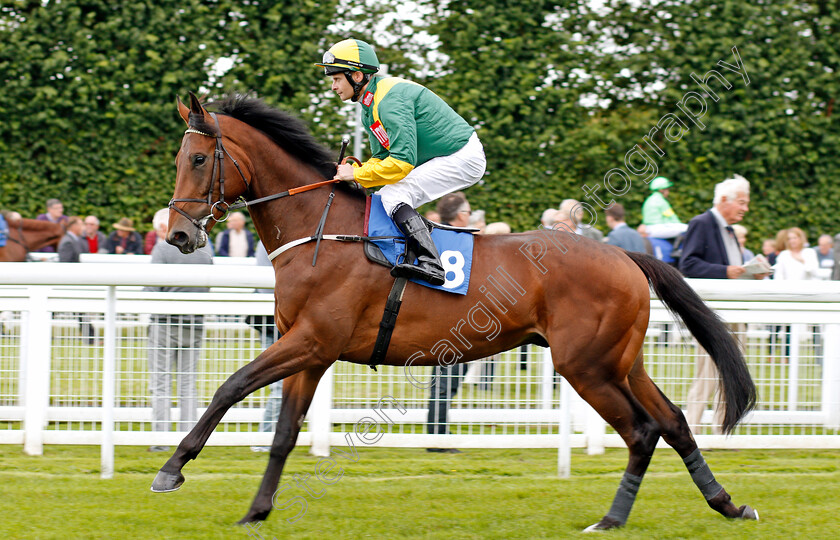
x=455, y=248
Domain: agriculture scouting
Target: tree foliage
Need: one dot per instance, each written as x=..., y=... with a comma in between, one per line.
x=559, y=93
x=89, y=89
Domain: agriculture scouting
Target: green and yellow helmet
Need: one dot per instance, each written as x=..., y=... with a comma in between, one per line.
x=659, y=183
x=350, y=55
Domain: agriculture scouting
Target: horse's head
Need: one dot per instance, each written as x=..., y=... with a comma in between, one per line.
x=204, y=184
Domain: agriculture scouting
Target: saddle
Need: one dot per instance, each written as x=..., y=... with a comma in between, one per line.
x=374, y=253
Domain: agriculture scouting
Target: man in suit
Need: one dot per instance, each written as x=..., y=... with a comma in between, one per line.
x=621, y=235
x=710, y=250
x=70, y=246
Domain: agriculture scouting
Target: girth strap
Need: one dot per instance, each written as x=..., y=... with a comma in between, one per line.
x=338, y=237
x=389, y=321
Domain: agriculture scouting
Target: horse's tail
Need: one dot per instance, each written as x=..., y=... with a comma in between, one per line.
x=709, y=330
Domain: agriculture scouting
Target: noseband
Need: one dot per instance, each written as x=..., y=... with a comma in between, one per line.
x=218, y=164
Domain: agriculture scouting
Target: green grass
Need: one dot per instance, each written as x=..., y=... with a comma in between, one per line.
x=409, y=493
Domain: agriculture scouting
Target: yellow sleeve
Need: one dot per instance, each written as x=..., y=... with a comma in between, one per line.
x=379, y=172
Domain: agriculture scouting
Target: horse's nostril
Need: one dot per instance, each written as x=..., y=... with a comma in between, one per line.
x=177, y=238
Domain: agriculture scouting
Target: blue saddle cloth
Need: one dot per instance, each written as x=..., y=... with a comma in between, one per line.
x=455, y=248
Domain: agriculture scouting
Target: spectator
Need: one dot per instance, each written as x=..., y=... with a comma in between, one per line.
x=266, y=326
x=174, y=345
x=565, y=218
x=548, y=218
x=93, y=240
x=124, y=239
x=621, y=235
x=825, y=251
x=477, y=221
x=642, y=230
x=768, y=249
x=454, y=209
x=711, y=250
x=835, y=271
x=236, y=240
x=70, y=246
x=741, y=236
x=432, y=215
x=797, y=262
x=160, y=223
x=657, y=214
x=497, y=227
x=54, y=214
x=780, y=244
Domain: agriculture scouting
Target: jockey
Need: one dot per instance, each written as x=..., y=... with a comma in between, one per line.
x=421, y=148
x=657, y=215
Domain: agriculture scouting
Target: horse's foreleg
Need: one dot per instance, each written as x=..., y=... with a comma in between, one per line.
x=298, y=391
x=284, y=358
x=676, y=432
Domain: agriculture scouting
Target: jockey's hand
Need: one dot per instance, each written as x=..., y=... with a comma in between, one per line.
x=345, y=172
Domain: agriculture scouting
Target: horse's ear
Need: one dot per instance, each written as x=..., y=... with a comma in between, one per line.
x=195, y=105
x=183, y=110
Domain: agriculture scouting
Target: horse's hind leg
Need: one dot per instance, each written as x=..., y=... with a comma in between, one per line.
x=676, y=432
x=615, y=403
x=292, y=353
x=298, y=391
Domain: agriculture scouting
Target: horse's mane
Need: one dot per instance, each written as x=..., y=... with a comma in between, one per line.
x=290, y=133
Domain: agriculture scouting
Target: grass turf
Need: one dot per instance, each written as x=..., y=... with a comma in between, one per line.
x=409, y=493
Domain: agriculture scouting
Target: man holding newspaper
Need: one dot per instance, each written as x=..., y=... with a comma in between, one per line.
x=710, y=250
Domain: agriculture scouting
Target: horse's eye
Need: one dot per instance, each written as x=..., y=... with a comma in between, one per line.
x=198, y=160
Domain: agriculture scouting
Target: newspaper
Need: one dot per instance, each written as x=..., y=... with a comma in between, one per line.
x=756, y=265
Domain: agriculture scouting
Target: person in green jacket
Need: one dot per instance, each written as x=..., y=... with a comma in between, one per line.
x=421, y=149
x=657, y=215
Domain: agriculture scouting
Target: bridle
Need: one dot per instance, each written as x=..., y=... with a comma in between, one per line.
x=218, y=164
x=221, y=205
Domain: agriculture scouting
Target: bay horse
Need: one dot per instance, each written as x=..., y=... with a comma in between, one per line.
x=26, y=235
x=587, y=301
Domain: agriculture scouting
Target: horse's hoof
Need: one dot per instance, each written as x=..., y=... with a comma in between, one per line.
x=748, y=513
x=605, y=524
x=257, y=519
x=165, y=482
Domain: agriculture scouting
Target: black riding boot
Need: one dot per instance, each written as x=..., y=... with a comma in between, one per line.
x=428, y=266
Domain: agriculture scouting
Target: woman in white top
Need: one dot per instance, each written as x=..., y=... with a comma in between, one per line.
x=797, y=261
